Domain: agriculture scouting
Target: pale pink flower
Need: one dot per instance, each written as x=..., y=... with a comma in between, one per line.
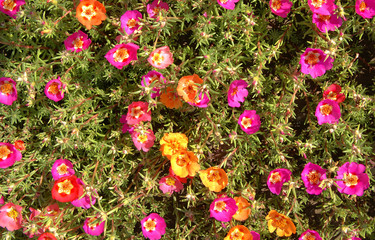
x=11, y=216
x=170, y=184
x=161, y=57
x=143, y=139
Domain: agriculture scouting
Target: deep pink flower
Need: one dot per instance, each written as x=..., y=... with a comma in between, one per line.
x=329, y=22
x=227, y=4
x=122, y=54
x=126, y=127
x=155, y=78
x=355, y=238
x=143, y=139
x=94, y=229
x=11, y=216
x=154, y=8
x=312, y=175
x=170, y=184
x=77, y=42
x=333, y=92
x=223, y=209
x=2, y=200
x=8, y=91
x=277, y=178
x=62, y=168
x=313, y=61
x=256, y=236
x=54, y=91
x=324, y=7
x=201, y=101
x=365, y=8
x=237, y=93
x=85, y=200
x=153, y=226
x=138, y=112
x=130, y=21
x=328, y=111
x=8, y=155
x=310, y=234
x=11, y=7
x=355, y=180
x=161, y=57
x=249, y=121
x=281, y=7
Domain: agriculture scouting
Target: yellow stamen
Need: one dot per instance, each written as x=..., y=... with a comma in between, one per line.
x=213, y=175
x=131, y=23
x=136, y=112
x=350, y=179
x=223, y=1
x=275, y=177
x=6, y=88
x=170, y=181
x=88, y=12
x=142, y=138
x=325, y=109
x=236, y=235
x=157, y=58
x=65, y=187
x=314, y=177
x=150, y=225
x=62, y=169
x=4, y=152
x=324, y=17
x=53, y=88
x=276, y=5
x=220, y=206
x=235, y=90
x=181, y=160
x=362, y=6
x=312, y=58
x=12, y=213
x=246, y=122
x=318, y=3
x=9, y=5
x=332, y=96
x=121, y=55
x=308, y=236
x=78, y=43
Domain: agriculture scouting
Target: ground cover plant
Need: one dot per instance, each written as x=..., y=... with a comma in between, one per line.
x=206, y=119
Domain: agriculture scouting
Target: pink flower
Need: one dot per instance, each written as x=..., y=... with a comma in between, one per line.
x=256, y=236
x=154, y=8
x=333, y=92
x=324, y=7
x=122, y=54
x=161, y=57
x=54, y=91
x=329, y=22
x=365, y=8
x=328, y=111
x=91, y=228
x=355, y=238
x=62, y=168
x=143, y=139
x=313, y=61
x=153, y=226
x=155, y=78
x=125, y=127
x=312, y=175
x=201, y=101
x=249, y=121
x=277, y=178
x=281, y=7
x=138, y=112
x=170, y=184
x=227, y=4
x=77, y=42
x=223, y=209
x=11, y=216
x=310, y=234
x=8, y=91
x=8, y=155
x=11, y=7
x=237, y=93
x=355, y=180
x=85, y=200
x=130, y=21
x=2, y=200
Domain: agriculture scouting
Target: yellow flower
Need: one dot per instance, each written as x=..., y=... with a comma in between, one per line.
x=184, y=163
x=214, y=178
x=239, y=232
x=281, y=223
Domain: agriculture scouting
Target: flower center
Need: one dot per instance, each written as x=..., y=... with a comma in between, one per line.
x=12, y=213
x=275, y=177
x=312, y=58
x=9, y=5
x=153, y=79
x=236, y=235
x=170, y=181
x=142, y=138
x=150, y=225
x=65, y=187
x=136, y=112
x=350, y=179
x=157, y=58
x=279, y=222
x=53, y=88
x=131, y=23
x=276, y=5
x=318, y=3
x=181, y=160
x=90, y=223
x=78, y=43
x=235, y=90
x=62, y=169
x=362, y=6
x=332, y=96
x=156, y=10
x=223, y=1
x=121, y=55
x=325, y=109
x=314, y=177
x=88, y=12
x=324, y=17
x=308, y=236
x=4, y=152
x=220, y=206
x=213, y=176
x=6, y=88
x=246, y=122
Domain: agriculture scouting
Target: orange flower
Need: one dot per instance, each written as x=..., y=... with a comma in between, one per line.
x=214, y=178
x=239, y=232
x=90, y=12
x=170, y=99
x=188, y=87
x=171, y=143
x=243, y=211
x=20, y=145
x=184, y=163
x=281, y=223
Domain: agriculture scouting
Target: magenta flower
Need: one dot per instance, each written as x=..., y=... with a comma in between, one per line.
x=138, y=112
x=201, y=101
x=153, y=226
x=77, y=42
x=125, y=127
x=153, y=77
x=130, y=21
x=324, y=7
x=11, y=7
x=227, y=4
x=8, y=155
x=313, y=61
x=281, y=7
x=328, y=111
x=154, y=8
x=355, y=238
x=122, y=54
x=312, y=175
x=87, y=200
x=62, y=168
x=355, y=180
x=310, y=234
x=223, y=209
x=54, y=91
x=256, y=236
x=2, y=200
x=237, y=93
x=277, y=178
x=326, y=23
x=143, y=140
x=8, y=91
x=365, y=8
x=249, y=121
x=170, y=184
x=161, y=57
x=91, y=228
x=11, y=216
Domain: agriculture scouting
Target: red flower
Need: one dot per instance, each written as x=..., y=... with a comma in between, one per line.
x=47, y=236
x=333, y=93
x=20, y=145
x=66, y=189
